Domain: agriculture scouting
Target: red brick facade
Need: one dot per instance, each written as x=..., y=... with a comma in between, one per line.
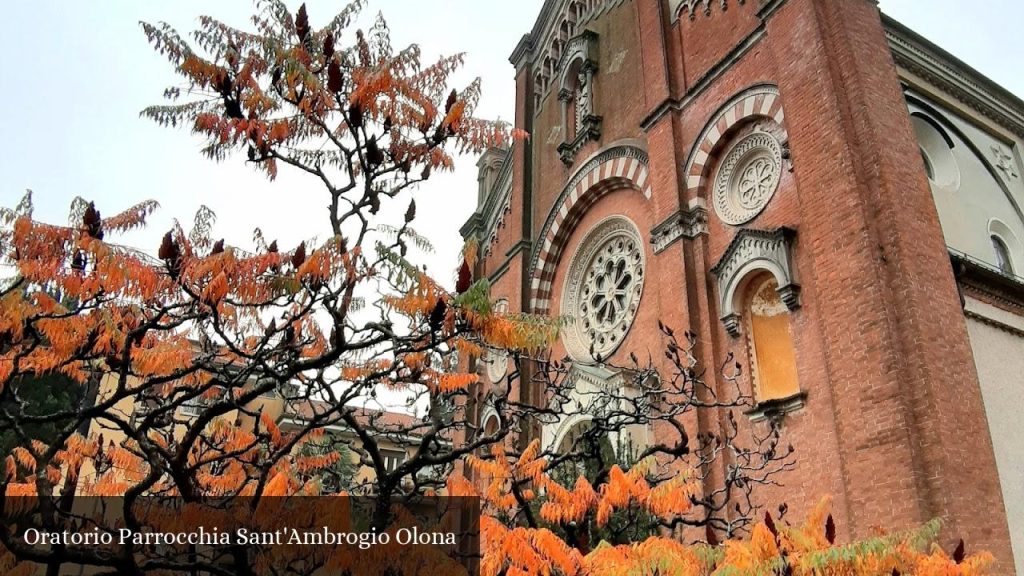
x=893, y=425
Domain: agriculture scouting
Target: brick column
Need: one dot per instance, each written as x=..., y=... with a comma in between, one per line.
x=915, y=442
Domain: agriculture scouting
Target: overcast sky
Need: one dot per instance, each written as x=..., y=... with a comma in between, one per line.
x=76, y=73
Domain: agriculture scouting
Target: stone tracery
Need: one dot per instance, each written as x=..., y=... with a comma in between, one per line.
x=603, y=288
x=748, y=178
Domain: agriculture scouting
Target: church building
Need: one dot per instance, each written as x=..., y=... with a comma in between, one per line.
x=810, y=187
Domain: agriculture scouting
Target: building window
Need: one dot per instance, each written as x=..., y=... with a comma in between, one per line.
x=491, y=425
x=928, y=168
x=392, y=459
x=603, y=289
x=772, y=354
x=1002, y=255
x=496, y=360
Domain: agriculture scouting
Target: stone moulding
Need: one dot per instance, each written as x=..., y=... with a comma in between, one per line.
x=684, y=223
x=775, y=410
x=756, y=103
x=749, y=252
x=922, y=58
x=597, y=391
x=590, y=129
x=748, y=178
x=581, y=49
x=543, y=47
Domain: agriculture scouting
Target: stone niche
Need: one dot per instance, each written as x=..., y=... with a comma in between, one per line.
x=576, y=71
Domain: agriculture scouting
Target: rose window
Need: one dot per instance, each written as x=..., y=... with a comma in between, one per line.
x=603, y=289
x=748, y=178
x=756, y=182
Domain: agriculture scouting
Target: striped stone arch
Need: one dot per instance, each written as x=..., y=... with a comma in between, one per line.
x=614, y=169
x=756, y=102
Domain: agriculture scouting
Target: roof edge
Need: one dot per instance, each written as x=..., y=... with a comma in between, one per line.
x=963, y=82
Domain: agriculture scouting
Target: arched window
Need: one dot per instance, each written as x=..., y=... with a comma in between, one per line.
x=928, y=168
x=1002, y=255
x=772, y=354
x=491, y=425
x=936, y=148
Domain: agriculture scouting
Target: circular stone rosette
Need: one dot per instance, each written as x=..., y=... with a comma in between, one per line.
x=497, y=364
x=748, y=178
x=603, y=289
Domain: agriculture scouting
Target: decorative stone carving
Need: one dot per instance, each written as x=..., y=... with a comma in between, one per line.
x=603, y=289
x=760, y=104
x=950, y=77
x=621, y=166
x=576, y=70
x=584, y=98
x=588, y=128
x=753, y=251
x=748, y=178
x=774, y=411
x=546, y=46
x=596, y=391
x=685, y=223
x=497, y=364
x=1004, y=162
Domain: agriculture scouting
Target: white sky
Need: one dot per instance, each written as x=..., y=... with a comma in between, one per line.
x=76, y=74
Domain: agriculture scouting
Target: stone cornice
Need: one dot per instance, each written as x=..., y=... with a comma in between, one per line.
x=983, y=279
x=775, y=411
x=517, y=58
x=948, y=73
x=994, y=323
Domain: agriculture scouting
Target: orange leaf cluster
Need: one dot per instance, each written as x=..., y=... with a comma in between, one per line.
x=803, y=550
